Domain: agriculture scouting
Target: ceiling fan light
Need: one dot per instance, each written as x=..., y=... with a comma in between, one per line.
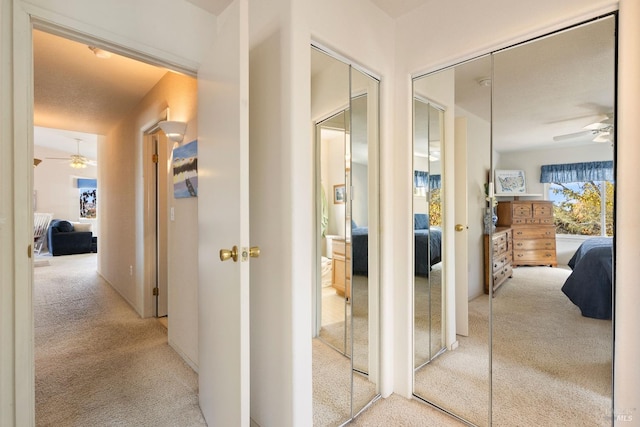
x=595, y=126
x=77, y=164
x=603, y=137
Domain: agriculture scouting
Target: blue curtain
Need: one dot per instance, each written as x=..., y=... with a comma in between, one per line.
x=422, y=179
x=577, y=172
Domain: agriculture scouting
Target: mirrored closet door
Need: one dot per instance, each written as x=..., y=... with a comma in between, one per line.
x=553, y=125
x=451, y=113
x=345, y=344
x=533, y=332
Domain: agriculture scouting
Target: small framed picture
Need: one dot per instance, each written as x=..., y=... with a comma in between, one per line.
x=339, y=192
x=510, y=182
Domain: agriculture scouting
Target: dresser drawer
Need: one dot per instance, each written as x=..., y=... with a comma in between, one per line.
x=542, y=210
x=502, y=274
x=521, y=211
x=541, y=221
x=499, y=248
x=500, y=261
x=540, y=232
x=534, y=256
x=534, y=244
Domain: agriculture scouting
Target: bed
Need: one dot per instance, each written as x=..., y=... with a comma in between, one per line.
x=428, y=245
x=590, y=284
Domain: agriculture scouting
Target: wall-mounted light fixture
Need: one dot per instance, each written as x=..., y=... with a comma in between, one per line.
x=174, y=130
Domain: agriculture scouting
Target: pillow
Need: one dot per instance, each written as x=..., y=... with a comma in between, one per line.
x=64, y=226
x=353, y=224
x=420, y=222
x=82, y=226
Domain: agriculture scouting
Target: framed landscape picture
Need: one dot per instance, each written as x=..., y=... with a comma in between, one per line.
x=510, y=182
x=339, y=192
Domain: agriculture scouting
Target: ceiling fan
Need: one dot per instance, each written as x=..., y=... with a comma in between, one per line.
x=76, y=161
x=601, y=130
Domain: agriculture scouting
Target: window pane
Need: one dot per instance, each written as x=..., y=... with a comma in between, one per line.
x=577, y=208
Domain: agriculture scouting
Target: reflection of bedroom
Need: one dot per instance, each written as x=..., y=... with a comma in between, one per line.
x=539, y=285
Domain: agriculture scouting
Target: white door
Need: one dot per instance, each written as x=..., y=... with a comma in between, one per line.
x=223, y=217
x=462, y=228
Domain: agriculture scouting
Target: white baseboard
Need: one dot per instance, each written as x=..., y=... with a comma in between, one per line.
x=182, y=354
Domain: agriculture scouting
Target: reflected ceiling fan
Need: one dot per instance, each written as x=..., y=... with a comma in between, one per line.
x=76, y=161
x=601, y=130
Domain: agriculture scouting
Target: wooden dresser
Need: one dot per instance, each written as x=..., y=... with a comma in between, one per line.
x=498, y=269
x=534, y=233
x=341, y=271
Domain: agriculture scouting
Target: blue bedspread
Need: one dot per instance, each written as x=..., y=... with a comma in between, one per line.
x=360, y=248
x=428, y=246
x=424, y=251
x=590, y=285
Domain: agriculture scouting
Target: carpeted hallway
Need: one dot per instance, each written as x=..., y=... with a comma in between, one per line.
x=97, y=363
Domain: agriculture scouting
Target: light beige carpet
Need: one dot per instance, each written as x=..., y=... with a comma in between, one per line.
x=357, y=312
x=97, y=362
x=551, y=366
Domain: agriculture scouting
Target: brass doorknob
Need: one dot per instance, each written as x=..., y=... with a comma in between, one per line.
x=254, y=251
x=459, y=227
x=226, y=254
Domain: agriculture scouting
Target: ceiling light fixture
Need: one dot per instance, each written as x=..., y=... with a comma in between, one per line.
x=78, y=164
x=36, y=162
x=174, y=130
x=99, y=53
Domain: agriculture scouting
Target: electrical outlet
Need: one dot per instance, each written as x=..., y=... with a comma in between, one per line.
x=173, y=214
x=131, y=270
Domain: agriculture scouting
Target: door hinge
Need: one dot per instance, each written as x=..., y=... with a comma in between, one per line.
x=154, y=158
x=155, y=292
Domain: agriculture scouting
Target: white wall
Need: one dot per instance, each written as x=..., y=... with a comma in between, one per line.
x=281, y=186
x=478, y=165
x=359, y=178
x=55, y=184
x=333, y=155
x=122, y=211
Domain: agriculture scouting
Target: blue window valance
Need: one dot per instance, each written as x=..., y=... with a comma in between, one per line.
x=87, y=183
x=422, y=179
x=577, y=172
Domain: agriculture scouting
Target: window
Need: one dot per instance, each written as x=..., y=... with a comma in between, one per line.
x=425, y=183
x=88, y=197
x=583, y=208
x=583, y=196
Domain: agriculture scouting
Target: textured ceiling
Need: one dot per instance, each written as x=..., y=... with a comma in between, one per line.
x=75, y=90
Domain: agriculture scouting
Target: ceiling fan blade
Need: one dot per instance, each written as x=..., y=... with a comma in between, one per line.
x=574, y=135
